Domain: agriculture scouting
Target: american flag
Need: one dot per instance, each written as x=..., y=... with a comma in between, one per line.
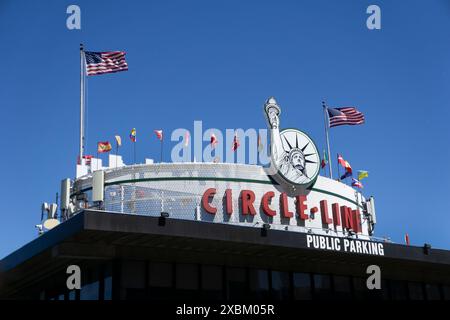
x=345, y=115
x=105, y=62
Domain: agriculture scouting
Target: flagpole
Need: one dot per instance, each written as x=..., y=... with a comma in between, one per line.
x=117, y=151
x=161, y=149
x=82, y=80
x=134, y=149
x=326, y=123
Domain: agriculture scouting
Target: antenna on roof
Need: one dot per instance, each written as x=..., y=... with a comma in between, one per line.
x=51, y=220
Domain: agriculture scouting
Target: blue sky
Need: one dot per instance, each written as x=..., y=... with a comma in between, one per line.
x=217, y=61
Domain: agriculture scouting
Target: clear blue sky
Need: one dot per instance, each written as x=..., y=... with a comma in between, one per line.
x=217, y=61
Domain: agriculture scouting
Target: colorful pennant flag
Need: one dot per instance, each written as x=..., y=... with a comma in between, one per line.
x=118, y=141
x=159, y=134
x=213, y=141
x=347, y=167
x=362, y=174
x=186, y=138
x=236, y=143
x=133, y=135
x=324, y=159
x=346, y=175
x=357, y=183
x=341, y=160
x=104, y=146
x=343, y=116
x=260, y=145
x=407, y=239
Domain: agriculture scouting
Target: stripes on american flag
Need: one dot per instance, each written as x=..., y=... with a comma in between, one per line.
x=345, y=115
x=105, y=62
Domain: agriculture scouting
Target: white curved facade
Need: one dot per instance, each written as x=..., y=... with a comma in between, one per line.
x=178, y=188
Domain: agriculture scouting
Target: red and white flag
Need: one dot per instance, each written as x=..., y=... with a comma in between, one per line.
x=341, y=160
x=186, y=138
x=407, y=239
x=213, y=141
x=159, y=134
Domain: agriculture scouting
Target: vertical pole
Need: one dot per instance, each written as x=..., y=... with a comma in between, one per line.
x=161, y=158
x=134, y=149
x=117, y=151
x=326, y=122
x=82, y=76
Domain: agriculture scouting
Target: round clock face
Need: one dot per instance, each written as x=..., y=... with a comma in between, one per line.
x=299, y=164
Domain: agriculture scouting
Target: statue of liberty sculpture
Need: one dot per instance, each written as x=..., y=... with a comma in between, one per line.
x=287, y=158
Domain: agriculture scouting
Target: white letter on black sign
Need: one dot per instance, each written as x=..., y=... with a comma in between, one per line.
x=374, y=280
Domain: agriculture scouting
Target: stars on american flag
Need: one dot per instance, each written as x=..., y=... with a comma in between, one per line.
x=344, y=116
x=105, y=62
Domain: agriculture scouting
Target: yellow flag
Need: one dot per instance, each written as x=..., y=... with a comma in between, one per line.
x=119, y=140
x=362, y=175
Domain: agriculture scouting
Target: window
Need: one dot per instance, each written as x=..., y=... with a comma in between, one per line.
x=322, y=286
x=415, y=291
x=212, y=282
x=398, y=290
x=432, y=291
x=108, y=288
x=187, y=276
x=133, y=280
x=236, y=283
x=446, y=292
x=107, y=282
x=187, y=281
x=342, y=287
x=89, y=291
x=302, y=286
x=89, y=283
x=161, y=281
x=160, y=275
x=280, y=285
x=259, y=284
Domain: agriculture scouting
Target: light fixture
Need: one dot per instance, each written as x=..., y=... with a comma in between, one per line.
x=264, y=229
x=165, y=214
x=162, y=219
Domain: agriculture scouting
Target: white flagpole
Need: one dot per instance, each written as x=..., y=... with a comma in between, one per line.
x=82, y=79
x=326, y=122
